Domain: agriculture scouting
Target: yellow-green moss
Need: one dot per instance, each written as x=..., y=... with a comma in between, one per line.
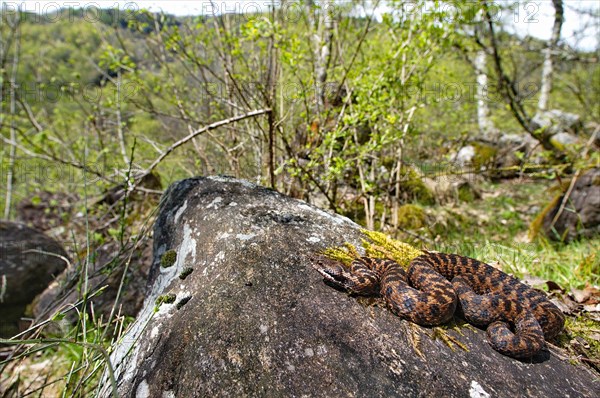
x=583, y=328
x=413, y=185
x=165, y=298
x=168, y=259
x=536, y=224
x=184, y=274
x=484, y=155
x=381, y=245
x=411, y=217
x=344, y=254
x=376, y=244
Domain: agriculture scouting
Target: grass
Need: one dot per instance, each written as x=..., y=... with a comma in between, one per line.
x=496, y=229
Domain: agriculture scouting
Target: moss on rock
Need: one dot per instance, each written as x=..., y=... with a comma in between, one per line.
x=376, y=244
x=168, y=259
x=484, y=155
x=536, y=224
x=411, y=216
x=413, y=185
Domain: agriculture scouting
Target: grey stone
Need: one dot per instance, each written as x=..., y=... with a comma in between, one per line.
x=465, y=156
x=254, y=319
x=580, y=217
x=29, y=261
x=556, y=121
x=564, y=139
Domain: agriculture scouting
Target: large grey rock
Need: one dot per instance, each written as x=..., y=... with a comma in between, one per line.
x=556, y=121
x=29, y=261
x=254, y=319
x=580, y=217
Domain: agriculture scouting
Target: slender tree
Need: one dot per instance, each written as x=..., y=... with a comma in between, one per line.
x=548, y=68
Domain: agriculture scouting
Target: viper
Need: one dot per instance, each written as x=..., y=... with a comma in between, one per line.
x=435, y=286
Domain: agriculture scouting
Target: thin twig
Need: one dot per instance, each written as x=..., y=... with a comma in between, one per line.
x=565, y=199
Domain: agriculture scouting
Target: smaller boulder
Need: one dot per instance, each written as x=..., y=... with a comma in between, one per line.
x=29, y=261
x=555, y=121
x=465, y=156
x=580, y=215
x=564, y=140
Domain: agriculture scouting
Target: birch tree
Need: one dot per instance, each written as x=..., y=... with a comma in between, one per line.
x=547, y=71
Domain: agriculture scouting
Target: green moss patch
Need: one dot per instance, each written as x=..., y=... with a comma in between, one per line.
x=376, y=244
x=414, y=187
x=484, y=155
x=411, y=217
x=185, y=273
x=168, y=259
x=165, y=299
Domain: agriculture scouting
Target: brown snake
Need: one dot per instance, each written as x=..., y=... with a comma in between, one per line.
x=435, y=284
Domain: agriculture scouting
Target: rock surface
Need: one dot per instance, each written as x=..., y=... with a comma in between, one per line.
x=243, y=313
x=580, y=217
x=556, y=121
x=24, y=270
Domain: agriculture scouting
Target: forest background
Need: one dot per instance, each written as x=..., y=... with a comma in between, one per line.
x=363, y=108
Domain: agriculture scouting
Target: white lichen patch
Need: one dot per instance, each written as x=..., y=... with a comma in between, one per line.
x=143, y=390
x=168, y=394
x=214, y=204
x=309, y=352
x=314, y=239
x=180, y=211
x=223, y=236
x=263, y=328
x=336, y=218
x=187, y=250
x=127, y=351
x=163, y=310
x=229, y=180
x=476, y=391
x=245, y=236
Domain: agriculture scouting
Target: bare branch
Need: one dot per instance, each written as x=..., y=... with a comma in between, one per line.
x=196, y=133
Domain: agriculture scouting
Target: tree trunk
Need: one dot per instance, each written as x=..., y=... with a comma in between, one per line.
x=486, y=127
x=548, y=68
x=322, y=42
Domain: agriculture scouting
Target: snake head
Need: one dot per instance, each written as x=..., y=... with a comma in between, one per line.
x=333, y=272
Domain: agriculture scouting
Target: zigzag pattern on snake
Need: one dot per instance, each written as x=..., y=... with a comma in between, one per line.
x=436, y=284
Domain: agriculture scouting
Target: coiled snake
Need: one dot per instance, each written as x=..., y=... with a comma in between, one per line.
x=436, y=284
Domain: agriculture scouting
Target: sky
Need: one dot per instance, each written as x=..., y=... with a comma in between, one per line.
x=534, y=18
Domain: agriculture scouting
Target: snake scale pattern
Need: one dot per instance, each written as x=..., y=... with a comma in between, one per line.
x=518, y=318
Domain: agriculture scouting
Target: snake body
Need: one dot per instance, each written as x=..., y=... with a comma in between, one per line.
x=518, y=318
